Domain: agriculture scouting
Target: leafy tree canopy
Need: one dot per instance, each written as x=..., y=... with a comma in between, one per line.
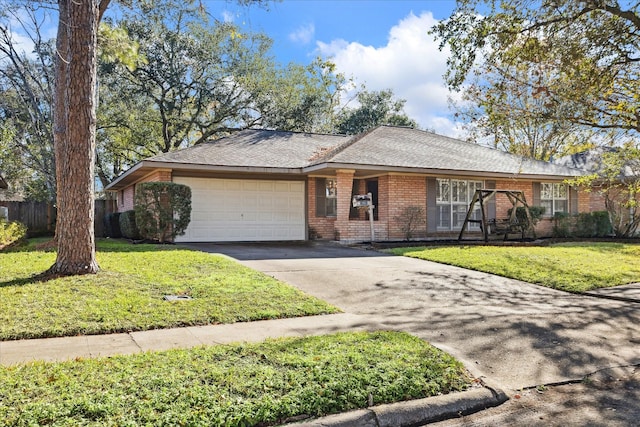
x=617, y=178
x=500, y=108
x=590, y=49
x=26, y=90
x=194, y=80
x=374, y=109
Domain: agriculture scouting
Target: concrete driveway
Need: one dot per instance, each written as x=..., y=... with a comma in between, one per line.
x=513, y=333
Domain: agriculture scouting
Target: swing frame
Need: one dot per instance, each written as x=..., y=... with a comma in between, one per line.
x=507, y=226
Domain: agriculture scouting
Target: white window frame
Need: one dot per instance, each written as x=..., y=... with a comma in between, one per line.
x=554, y=197
x=451, y=203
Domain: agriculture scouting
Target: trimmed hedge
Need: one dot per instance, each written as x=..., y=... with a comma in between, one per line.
x=128, y=225
x=162, y=209
x=593, y=224
x=585, y=224
x=112, y=225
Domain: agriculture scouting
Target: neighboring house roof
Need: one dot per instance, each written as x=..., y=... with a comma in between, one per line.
x=591, y=162
x=7, y=195
x=385, y=148
x=588, y=161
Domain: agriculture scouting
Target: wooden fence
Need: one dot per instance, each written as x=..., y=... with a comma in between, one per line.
x=40, y=217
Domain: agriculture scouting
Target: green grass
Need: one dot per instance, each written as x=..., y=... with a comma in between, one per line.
x=127, y=293
x=572, y=267
x=241, y=385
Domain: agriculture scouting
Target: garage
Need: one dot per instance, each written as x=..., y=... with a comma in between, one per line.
x=232, y=210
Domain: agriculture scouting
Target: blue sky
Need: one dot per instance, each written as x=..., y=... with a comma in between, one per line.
x=379, y=43
x=295, y=25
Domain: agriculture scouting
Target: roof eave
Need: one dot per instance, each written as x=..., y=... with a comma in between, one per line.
x=143, y=168
x=434, y=171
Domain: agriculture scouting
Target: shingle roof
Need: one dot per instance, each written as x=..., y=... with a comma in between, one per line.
x=384, y=148
x=588, y=161
x=411, y=148
x=256, y=148
x=593, y=161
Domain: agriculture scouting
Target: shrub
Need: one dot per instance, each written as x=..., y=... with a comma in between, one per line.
x=112, y=225
x=11, y=232
x=535, y=212
x=593, y=224
x=561, y=224
x=128, y=225
x=163, y=210
x=602, y=223
x=585, y=225
x=411, y=218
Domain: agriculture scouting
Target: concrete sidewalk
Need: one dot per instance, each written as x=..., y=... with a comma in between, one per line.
x=85, y=346
x=410, y=413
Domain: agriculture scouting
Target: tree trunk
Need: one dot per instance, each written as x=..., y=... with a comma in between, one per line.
x=75, y=136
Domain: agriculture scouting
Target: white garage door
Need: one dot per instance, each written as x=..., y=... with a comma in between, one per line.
x=227, y=210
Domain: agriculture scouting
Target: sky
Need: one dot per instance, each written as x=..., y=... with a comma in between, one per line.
x=383, y=44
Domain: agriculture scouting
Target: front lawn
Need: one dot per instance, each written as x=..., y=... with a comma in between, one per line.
x=241, y=385
x=572, y=267
x=127, y=294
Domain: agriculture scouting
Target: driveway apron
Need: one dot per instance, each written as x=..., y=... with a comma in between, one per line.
x=513, y=333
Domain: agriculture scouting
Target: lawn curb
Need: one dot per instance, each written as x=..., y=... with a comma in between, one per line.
x=414, y=412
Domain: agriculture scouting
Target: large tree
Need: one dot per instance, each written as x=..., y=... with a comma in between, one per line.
x=499, y=107
x=26, y=90
x=191, y=73
x=615, y=176
x=75, y=134
x=300, y=98
x=591, y=47
x=74, y=125
x=374, y=108
x=196, y=80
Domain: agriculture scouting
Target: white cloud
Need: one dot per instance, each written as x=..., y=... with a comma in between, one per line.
x=410, y=64
x=20, y=28
x=228, y=16
x=303, y=34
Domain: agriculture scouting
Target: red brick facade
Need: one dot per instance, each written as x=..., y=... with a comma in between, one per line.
x=398, y=192
x=406, y=191
x=126, y=196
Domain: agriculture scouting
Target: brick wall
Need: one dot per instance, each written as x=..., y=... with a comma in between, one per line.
x=502, y=202
x=406, y=191
x=596, y=202
x=319, y=227
x=342, y=227
x=126, y=196
x=344, y=182
x=125, y=199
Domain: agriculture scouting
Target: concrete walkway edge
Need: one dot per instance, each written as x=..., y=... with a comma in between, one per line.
x=414, y=412
x=91, y=346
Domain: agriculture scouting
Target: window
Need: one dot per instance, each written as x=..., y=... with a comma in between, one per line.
x=326, y=197
x=452, y=199
x=331, y=191
x=554, y=197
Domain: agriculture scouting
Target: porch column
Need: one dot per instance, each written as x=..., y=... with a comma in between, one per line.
x=344, y=180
